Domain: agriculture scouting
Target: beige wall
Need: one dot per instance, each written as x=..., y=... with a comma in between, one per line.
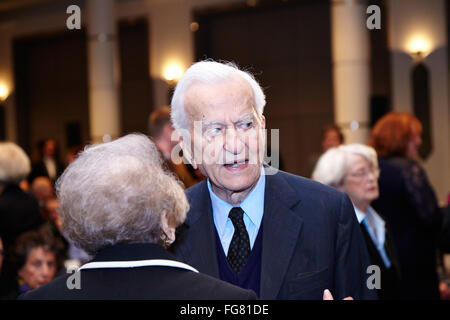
x=351, y=69
x=171, y=40
x=9, y=29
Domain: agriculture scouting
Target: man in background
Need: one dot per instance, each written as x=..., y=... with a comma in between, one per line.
x=160, y=130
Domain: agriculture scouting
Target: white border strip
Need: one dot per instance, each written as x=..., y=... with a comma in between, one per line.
x=136, y=264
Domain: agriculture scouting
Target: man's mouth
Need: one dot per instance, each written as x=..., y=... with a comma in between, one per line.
x=236, y=164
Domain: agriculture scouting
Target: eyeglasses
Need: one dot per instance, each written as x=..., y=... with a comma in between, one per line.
x=361, y=174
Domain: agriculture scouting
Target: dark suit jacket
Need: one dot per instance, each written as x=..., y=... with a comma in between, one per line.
x=39, y=169
x=153, y=282
x=390, y=278
x=444, y=241
x=311, y=240
x=408, y=204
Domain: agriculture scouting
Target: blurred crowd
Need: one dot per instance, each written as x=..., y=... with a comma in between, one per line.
x=33, y=249
x=407, y=234
x=405, y=230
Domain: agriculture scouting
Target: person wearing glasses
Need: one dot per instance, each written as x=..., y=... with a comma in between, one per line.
x=282, y=236
x=353, y=169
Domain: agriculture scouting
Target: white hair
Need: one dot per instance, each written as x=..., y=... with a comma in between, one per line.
x=206, y=72
x=14, y=163
x=116, y=192
x=332, y=166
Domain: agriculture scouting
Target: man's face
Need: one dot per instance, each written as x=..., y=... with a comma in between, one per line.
x=49, y=148
x=230, y=142
x=330, y=140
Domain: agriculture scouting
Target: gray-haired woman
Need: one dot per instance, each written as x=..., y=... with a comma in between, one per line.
x=19, y=211
x=119, y=204
x=353, y=169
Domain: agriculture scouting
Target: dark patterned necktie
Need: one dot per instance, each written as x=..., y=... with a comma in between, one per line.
x=239, y=249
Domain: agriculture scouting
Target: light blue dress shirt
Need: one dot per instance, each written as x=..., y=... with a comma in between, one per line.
x=377, y=234
x=253, y=206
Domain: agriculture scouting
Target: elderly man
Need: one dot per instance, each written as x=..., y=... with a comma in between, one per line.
x=283, y=236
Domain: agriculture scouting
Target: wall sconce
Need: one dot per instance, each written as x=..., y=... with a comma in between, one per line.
x=4, y=92
x=419, y=48
x=172, y=73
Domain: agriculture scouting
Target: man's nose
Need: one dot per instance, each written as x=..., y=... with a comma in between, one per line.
x=233, y=142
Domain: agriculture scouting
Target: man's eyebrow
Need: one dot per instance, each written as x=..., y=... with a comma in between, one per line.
x=247, y=117
x=212, y=123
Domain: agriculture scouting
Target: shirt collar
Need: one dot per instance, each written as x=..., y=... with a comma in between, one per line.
x=359, y=214
x=379, y=226
x=253, y=205
x=379, y=222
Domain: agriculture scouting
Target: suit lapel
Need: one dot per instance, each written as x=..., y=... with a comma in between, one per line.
x=281, y=231
x=374, y=255
x=391, y=251
x=201, y=247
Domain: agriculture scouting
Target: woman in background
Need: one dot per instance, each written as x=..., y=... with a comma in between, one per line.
x=353, y=169
x=35, y=257
x=19, y=210
x=408, y=203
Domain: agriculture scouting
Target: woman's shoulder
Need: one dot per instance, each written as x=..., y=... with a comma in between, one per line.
x=403, y=166
x=409, y=167
x=398, y=162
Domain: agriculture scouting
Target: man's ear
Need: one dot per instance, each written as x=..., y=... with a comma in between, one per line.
x=187, y=152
